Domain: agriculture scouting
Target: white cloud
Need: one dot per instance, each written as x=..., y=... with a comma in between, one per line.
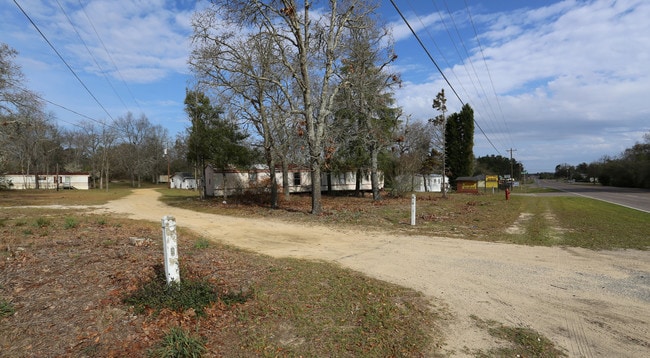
x=565, y=74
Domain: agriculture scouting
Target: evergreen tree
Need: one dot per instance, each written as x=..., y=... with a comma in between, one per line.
x=365, y=118
x=459, y=143
x=213, y=139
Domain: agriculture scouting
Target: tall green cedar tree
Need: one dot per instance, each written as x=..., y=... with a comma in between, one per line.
x=459, y=143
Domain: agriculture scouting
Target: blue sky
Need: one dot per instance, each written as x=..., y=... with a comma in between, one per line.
x=558, y=81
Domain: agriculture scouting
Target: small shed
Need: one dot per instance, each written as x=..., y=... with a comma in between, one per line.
x=467, y=185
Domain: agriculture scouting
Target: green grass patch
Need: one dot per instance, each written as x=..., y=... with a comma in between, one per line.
x=201, y=243
x=522, y=342
x=70, y=223
x=179, y=343
x=599, y=225
x=42, y=222
x=156, y=294
x=6, y=308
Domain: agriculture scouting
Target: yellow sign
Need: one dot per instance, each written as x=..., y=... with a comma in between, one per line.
x=491, y=181
x=469, y=185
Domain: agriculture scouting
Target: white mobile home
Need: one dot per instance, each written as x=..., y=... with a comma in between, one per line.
x=80, y=181
x=258, y=178
x=429, y=183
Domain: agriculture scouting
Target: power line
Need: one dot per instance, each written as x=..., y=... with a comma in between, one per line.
x=110, y=57
x=62, y=59
x=483, y=98
x=496, y=97
x=69, y=110
x=440, y=71
x=91, y=54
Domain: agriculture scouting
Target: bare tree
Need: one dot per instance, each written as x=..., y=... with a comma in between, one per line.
x=141, y=146
x=22, y=117
x=252, y=81
x=12, y=95
x=411, y=150
x=309, y=49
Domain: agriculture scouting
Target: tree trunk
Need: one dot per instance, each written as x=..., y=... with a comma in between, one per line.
x=357, y=184
x=316, y=206
x=374, y=173
x=223, y=175
x=285, y=180
x=274, y=181
x=329, y=183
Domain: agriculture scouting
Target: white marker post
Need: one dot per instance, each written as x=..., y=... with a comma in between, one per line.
x=412, y=209
x=170, y=249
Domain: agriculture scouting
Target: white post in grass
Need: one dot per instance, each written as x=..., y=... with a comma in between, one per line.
x=170, y=249
x=412, y=209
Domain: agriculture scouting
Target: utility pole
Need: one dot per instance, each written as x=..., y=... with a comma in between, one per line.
x=169, y=183
x=512, y=178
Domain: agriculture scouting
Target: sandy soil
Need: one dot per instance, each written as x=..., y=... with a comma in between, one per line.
x=590, y=303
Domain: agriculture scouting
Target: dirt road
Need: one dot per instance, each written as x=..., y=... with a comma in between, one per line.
x=591, y=303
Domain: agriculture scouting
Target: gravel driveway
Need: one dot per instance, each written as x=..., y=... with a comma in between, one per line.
x=590, y=303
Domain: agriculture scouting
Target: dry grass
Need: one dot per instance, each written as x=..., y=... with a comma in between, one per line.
x=68, y=274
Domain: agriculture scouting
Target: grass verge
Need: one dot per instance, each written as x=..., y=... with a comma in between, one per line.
x=524, y=219
x=521, y=342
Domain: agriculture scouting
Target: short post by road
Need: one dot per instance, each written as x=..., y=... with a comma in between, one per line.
x=412, y=209
x=170, y=249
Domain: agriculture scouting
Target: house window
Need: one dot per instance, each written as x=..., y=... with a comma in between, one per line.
x=252, y=177
x=341, y=178
x=296, y=179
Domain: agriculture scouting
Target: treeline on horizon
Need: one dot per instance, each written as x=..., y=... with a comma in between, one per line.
x=629, y=169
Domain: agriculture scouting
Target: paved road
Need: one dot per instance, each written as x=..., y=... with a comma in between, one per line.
x=638, y=199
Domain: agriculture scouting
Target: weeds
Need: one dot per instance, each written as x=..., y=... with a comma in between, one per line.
x=179, y=343
x=6, y=308
x=201, y=243
x=70, y=223
x=524, y=342
x=42, y=222
x=157, y=295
